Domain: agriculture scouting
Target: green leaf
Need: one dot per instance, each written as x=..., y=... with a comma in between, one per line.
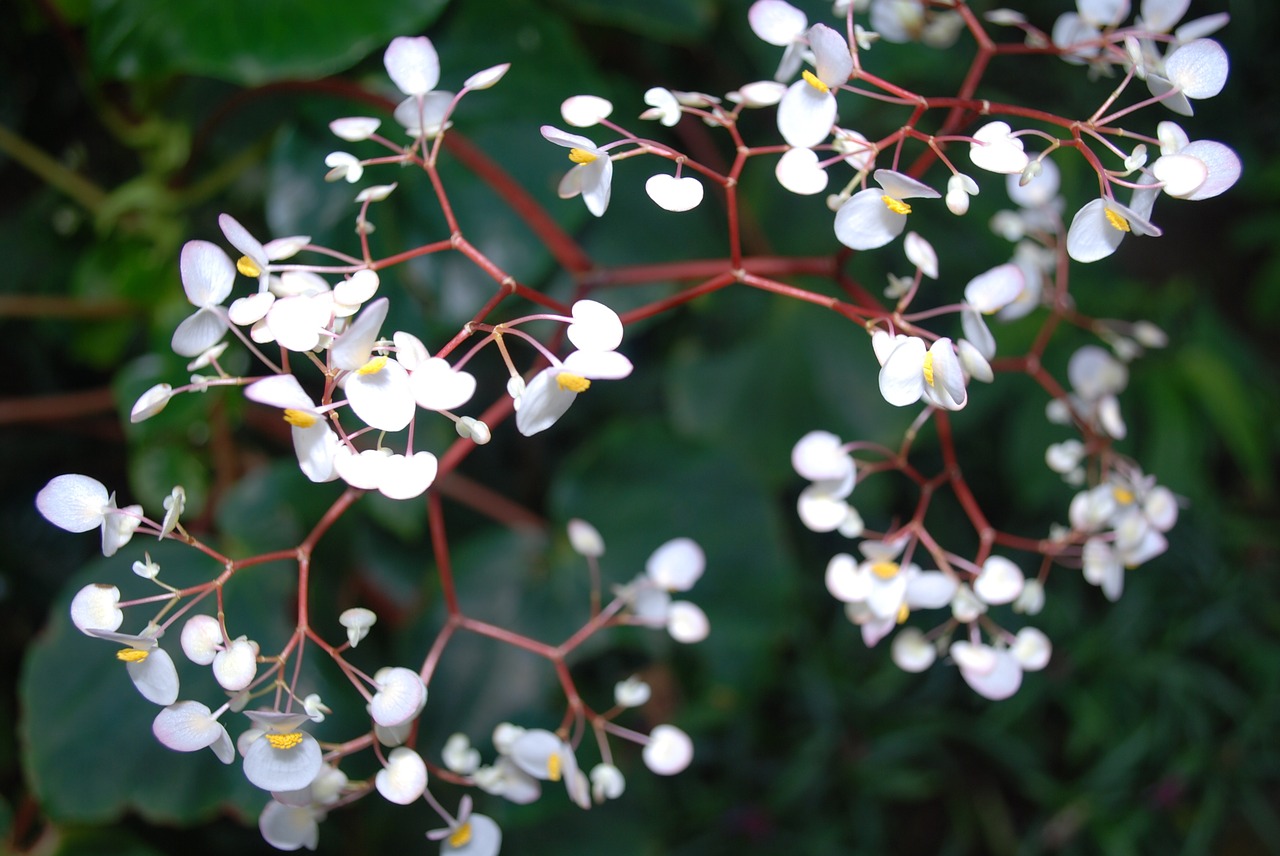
x=663, y=20
x=244, y=41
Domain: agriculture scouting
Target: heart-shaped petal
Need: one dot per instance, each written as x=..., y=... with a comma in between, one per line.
x=437, y=386
x=674, y=194
x=996, y=150
x=798, y=171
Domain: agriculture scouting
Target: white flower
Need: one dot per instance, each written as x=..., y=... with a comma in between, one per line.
x=663, y=106
x=393, y=475
x=1194, y=70
x=911, y=372
x=425, y=116
x=607, y=782
x=779, y=23
x=436, y=385
x=873, y=218
x=1000, y=582
x=798, y=170
x=207, y=278
x=357, y=620
x=235, y=666
x=151, y=402
x=995, y=289
x=404, y=779
x=149, y=666
x=79, y=503
x=995, y=149
x=94, y=608
x=633, y=692
x=459, y=756
x=668, y=751
x=674, y=194
x=585, y=111
x=400, y=696
x=807, y=110
x=888, y=589
x=1098, y=228
x=353, y=129
x=281, y=758
x=412, y=64
x=343, y=166
x=992, y=672
x=592, y=173
x=188, y=726
x=911, y=651
x=468, y=835
x=585, y=539
x=289, y=827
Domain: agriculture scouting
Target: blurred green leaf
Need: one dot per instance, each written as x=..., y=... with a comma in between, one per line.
x=244, y=41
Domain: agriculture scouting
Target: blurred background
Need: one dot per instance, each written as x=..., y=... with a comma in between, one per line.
x=126, y=127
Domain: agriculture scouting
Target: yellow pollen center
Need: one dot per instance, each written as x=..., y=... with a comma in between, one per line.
x=284, y=741
x=248, y=267
x=131, y=655
x=1116, y=221
x=812, y=79
x=1123, y=496
x=572, y=382
x=374, y=366
x=928, y=369
x=553, y=768
x=299, y=418
x=885, y=570
x=461, y=836
x=581, y=156
x=903, y=612
x=897, y=206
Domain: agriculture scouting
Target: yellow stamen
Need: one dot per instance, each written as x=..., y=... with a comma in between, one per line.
x=581, y=156
x=299, y=418
x=374, y=366
x=812, y=79
x=553, y=768
x=897, y=206
x=903, y=612
x=928, y=368
x=461, y=836
x=284, y=741
x=248, y=267
x=131, y=655
x=1116, y=221
x=572, y=382
x=885, y=570
x=1122, y=495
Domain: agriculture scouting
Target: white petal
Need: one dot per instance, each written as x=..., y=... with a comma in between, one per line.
x=354, y=347
x=921, y=254
x=668, y=751
x=761, y=93
x=585, y=538
x=820, y=456
x=902, y=186
x=235, y=666
x=362, y=285
x=902, y=375
x=199, y=332
x=365, y=470
x=187, y=726
x=1040, y=190
x=407, y=478
x=846, y=580
x=820, y=509
x=543, y=402
x=412, y=64
x=1104, y=13
x=1092, y=236
x=297, y=322
x=585, y=111
x=686, y=622
x=404, y=778
x=424, y=116
x=798, y=171
x=930, y=590
x=353, y=129
x=94, y=608
x=865, y=221
x=487, y=77
x=1222, y=163
x=676, y=565
x=995, y=289
x=207, y=274
x=996, y=150
x=776, y=21
x=399, y=698
x=598, y=365
x=1181, y=174
x=382, y=398
x=282, y=391
x=249, y=310
x=201, y=638
x=155, y=677
x=1198, y=69
x=438, y=386
x=911, y=652
x=287, y=827
x=1032, y=649
x=674, y=194
x=805, y=115
x=595, y=327
x=73, y=502
x=1000, y=581
x=999, y=681
x=833, y=62
x=282, y=769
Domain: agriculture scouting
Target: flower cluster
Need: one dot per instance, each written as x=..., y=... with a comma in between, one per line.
x=352, y=385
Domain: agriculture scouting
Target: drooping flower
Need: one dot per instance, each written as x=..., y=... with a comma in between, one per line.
x=79, y=503
x=592, y=172
x=189, y=726
x=872, y=218
x=149, y=666
x=911, y=372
